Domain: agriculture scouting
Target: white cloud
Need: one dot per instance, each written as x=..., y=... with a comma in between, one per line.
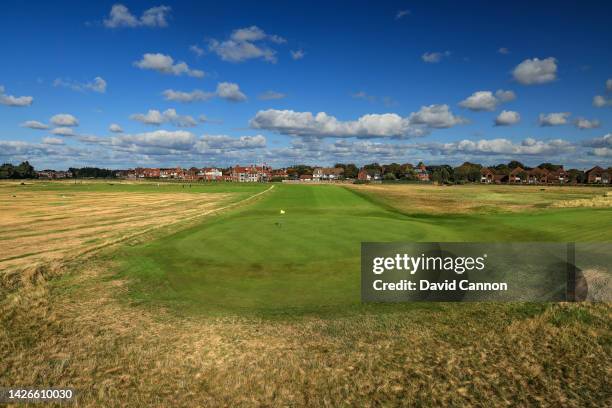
x=155, y=117
x=63, y=131
x=486, y=100
x=165, y=64
x=401, y=14
x=97, y=85
x=582, y=123
x=187, y=97
x=120, y=16
x=53, y=140
x=554, y=119
x=507, y=118
x=436, y=116
x=501, y=146
x=271, y=95
x=223, y=142
x=34, y=124
x=609, y=85
x=178, y=139
x=293, y=123
x=297, y=54
x=603, y=152
x=230, y=91
x=536, y=71
x=15, y=101
x=601, y=101
x=504, y=51
x=196, y=50
x=604, y=141
x=64, y=119
x=434, y=57
x=364, y=95
x=115, y=128
x=246, y=43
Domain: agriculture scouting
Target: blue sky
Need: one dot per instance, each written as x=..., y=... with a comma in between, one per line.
x=188, y=83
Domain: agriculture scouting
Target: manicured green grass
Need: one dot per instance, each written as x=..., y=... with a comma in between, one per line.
x=255, y=260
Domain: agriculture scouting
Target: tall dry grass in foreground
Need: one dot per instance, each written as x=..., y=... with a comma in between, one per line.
x=86, y=335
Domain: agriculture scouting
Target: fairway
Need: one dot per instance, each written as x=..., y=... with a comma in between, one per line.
x=255, y=260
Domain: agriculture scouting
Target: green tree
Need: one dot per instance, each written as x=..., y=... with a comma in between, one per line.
x=441, y=175
x=351, y=171
x=6, y=171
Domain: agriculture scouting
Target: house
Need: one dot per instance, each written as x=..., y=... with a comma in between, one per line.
x=172, y=173
x=537, y=176
x=421, y=173
x=517, y=175
x=558, y=176
x=487, y=175
x=306, y=177
x=500, y=178
x=280, y=173
x=251, y=174
x=363, y=175
x=327, y=173
x=53, y=174
x=210, y=174
x=598, y=175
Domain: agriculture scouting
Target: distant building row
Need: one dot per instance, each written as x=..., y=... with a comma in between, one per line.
x=538, y=175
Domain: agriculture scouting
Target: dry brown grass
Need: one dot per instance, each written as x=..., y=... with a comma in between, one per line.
x=462, y=199
x=604, y=201
x=45, y=226
x=121, y=354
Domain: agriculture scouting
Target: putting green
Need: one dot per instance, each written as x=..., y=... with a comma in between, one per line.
x=256, y=260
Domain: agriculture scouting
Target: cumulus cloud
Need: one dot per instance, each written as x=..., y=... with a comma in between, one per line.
x=602, y=152
x=53, y=140
x=297, y=54
x=165, y=64
x=97, y=85
x=507, y=118
x=271, y=95
x=435, y=57
x=246, y=43
x=222, y=142
x=34, y=124
x=604, y=141
x=176, y=140
x=536, y=71
x=120, y=16
x=115, y=128
x=15, y=101
x=554, y=119
x=601, y=101
x=293, y=123
x=155, y=117
x=486, y=100
x=196, y=50
x=582, y=123
x=501, y=146
x=436, y=116
x=187, y=97
x=401, y=14
x=63, y=131
x=64, y=119
x=230, y=92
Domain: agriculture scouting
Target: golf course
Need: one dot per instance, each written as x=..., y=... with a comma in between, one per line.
x=170, y=294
